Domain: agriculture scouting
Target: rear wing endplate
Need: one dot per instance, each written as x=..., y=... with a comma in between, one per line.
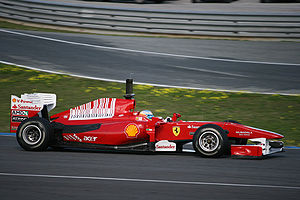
x=30, y=105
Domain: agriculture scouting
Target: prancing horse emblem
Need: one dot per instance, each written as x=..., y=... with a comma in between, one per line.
x=176, y=130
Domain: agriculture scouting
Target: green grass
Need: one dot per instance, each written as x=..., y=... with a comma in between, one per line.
x=9, y=25
x=272, y=112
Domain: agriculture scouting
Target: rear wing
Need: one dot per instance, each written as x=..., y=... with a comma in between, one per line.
x=30, y=105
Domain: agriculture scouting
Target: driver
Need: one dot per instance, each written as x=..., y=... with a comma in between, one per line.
x=146, y=113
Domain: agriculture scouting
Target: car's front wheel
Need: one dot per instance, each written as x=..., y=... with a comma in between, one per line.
x=210, y=141
x=34, y=134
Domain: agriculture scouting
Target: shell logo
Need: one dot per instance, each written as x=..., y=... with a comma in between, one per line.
x=132, y=130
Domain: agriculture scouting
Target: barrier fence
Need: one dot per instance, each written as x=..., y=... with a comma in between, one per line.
x=277, y=25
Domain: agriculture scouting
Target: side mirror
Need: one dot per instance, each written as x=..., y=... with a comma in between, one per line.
x=175, y=116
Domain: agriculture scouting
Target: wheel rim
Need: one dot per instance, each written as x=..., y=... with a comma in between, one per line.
x=209, y=141
x=32, y=134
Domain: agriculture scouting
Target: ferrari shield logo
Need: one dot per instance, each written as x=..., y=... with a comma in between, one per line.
x=176, y=130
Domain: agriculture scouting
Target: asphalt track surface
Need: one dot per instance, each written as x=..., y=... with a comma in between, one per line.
x=86, y=174
x=216, y=64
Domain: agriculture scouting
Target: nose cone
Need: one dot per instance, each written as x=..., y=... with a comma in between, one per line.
x=260, y=133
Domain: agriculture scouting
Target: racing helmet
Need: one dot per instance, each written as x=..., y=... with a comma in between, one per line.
x=146, y=113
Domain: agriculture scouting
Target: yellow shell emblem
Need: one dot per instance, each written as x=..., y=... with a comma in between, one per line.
x=132, y=130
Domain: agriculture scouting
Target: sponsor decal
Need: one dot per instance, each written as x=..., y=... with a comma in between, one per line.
x=89, y=138
x=165, y=145
x=26, y=107
x=66, y=137
x=189, y=126
x=244, y=133
x=18, y=118
x=14, y=128
x=176, y=130
x=139, y=118
x=73, y=137
x=77, y=138
x=98, y=109
x=131, y=130
x=14, y=100
x=19, y=113
x=170, y=146
x=23, y=104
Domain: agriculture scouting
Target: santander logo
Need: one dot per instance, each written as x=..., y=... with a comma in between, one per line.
x=165, y=145
x=35, y=107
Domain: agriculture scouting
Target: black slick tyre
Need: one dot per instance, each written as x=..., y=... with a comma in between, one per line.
x=34, y=134
x=210, y=141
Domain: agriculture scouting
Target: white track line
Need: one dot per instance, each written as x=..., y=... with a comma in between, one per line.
x=151, y=181
x=144, y=52
x=209, y=71
x=142, y=83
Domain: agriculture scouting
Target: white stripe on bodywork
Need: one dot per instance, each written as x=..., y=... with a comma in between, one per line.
x=263, y=130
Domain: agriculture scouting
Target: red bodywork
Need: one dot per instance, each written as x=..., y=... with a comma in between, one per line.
x=114, y=122
x=114, y=129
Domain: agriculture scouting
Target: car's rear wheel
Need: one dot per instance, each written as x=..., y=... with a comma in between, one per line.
x=210, y=141
x=34, y=134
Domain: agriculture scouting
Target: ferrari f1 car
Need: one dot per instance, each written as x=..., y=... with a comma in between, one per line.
x=110, y=123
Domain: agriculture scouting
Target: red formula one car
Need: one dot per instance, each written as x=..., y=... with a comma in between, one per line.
x=110, y=123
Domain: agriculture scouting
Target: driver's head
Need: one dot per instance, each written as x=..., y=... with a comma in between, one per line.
x=146, y=113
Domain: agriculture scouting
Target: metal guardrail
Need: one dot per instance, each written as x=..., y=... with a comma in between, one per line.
x=152, y=21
